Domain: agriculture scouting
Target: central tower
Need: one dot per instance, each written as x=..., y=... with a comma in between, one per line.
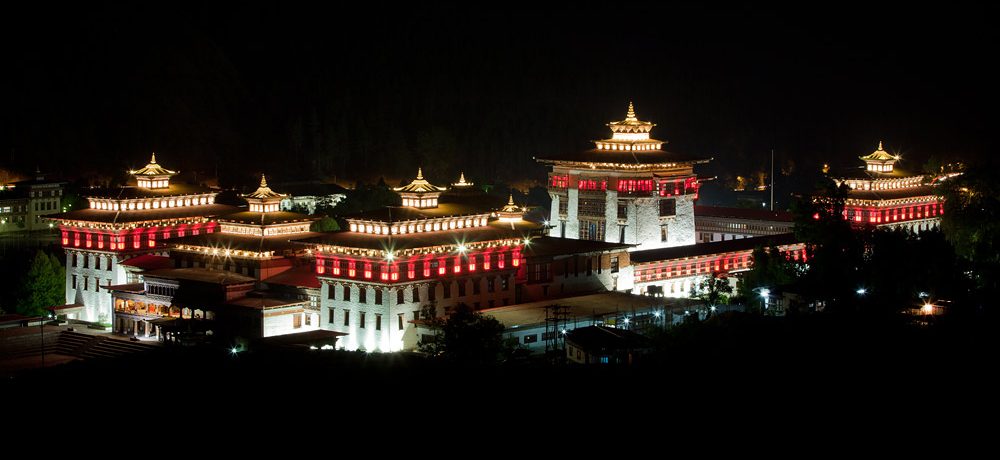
x=625, y=190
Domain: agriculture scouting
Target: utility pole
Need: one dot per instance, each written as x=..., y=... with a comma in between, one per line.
x=772, y=179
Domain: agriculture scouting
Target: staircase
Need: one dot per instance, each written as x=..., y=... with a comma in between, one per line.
x=95, y=346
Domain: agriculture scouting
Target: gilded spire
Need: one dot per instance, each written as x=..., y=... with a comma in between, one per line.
x=153, y=169
x=879, y=155
x=630, y=116
x=420, y=173
x=264, y=192
x=461, y=181
x=510, y=212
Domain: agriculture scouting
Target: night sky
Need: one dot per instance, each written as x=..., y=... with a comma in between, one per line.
x=357, y=94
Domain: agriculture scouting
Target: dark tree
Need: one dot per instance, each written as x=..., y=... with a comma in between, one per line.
x=466, y=337
x=326, y=224
x=42, y=286
x=714, y=289
x=835, y=252
x=971, y=223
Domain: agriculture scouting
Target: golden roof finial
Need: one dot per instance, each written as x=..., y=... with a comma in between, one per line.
x=420, y=173
x=152, y=161
x=510, y=200
x=880, y=145
x=461, y=177
x=263, y=180
x=631, y=112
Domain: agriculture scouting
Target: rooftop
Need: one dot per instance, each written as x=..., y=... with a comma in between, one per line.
x=605, y=338
x=894, y=194
x=644, y=157
x=547, y=246
x=301, y=276
x=718, y=247
x=859, y=172
x=264, y=303
x=317, y=337
x=583, y=308
x=149, y=262
x=879, y=155
x=419, y=185
x=133, y=288
x=152, y=169
x=144, y=215
x=203, y=275
x=264, y=192
x=134, y=192
x=493, y=231
x=266, y=218
x=240, y=242
x=742, y=213
x=406, y=213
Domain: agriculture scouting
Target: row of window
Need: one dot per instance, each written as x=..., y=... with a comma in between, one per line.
x=362, y=319
x=132, y=240
x=878, y=216
x=643, y=274
x=449, y=287
x=86, y=282
x=45, y=193
x=161, y=290
x=427, y=269
x=77, y=260
x=46, y=205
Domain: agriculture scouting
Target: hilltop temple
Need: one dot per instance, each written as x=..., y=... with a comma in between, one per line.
x=885, y=196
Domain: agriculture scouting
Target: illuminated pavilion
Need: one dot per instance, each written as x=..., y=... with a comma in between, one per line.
x=885, y=196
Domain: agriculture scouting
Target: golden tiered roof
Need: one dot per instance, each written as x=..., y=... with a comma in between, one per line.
x=630, y=134
x=631, y=123
x=510, y=206
x=511, y=212
x=879, y=155
x=462, y=182
x=152, y=169
x=419, y=185
x=264, y=192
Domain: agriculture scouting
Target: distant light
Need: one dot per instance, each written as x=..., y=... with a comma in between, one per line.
x=389, y=256
x=527, y=241
x=313, y=347
x=234, y=350
x=656, y=314
x=927, y=308
x=461, y=248
x=545, y=222
x=712, y=308
x=922, y=295
x=765, y=292
x=563, y=331
x=861, y=291
x=627, y=320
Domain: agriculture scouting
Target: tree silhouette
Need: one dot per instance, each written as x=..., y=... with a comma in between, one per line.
x=42, y=286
